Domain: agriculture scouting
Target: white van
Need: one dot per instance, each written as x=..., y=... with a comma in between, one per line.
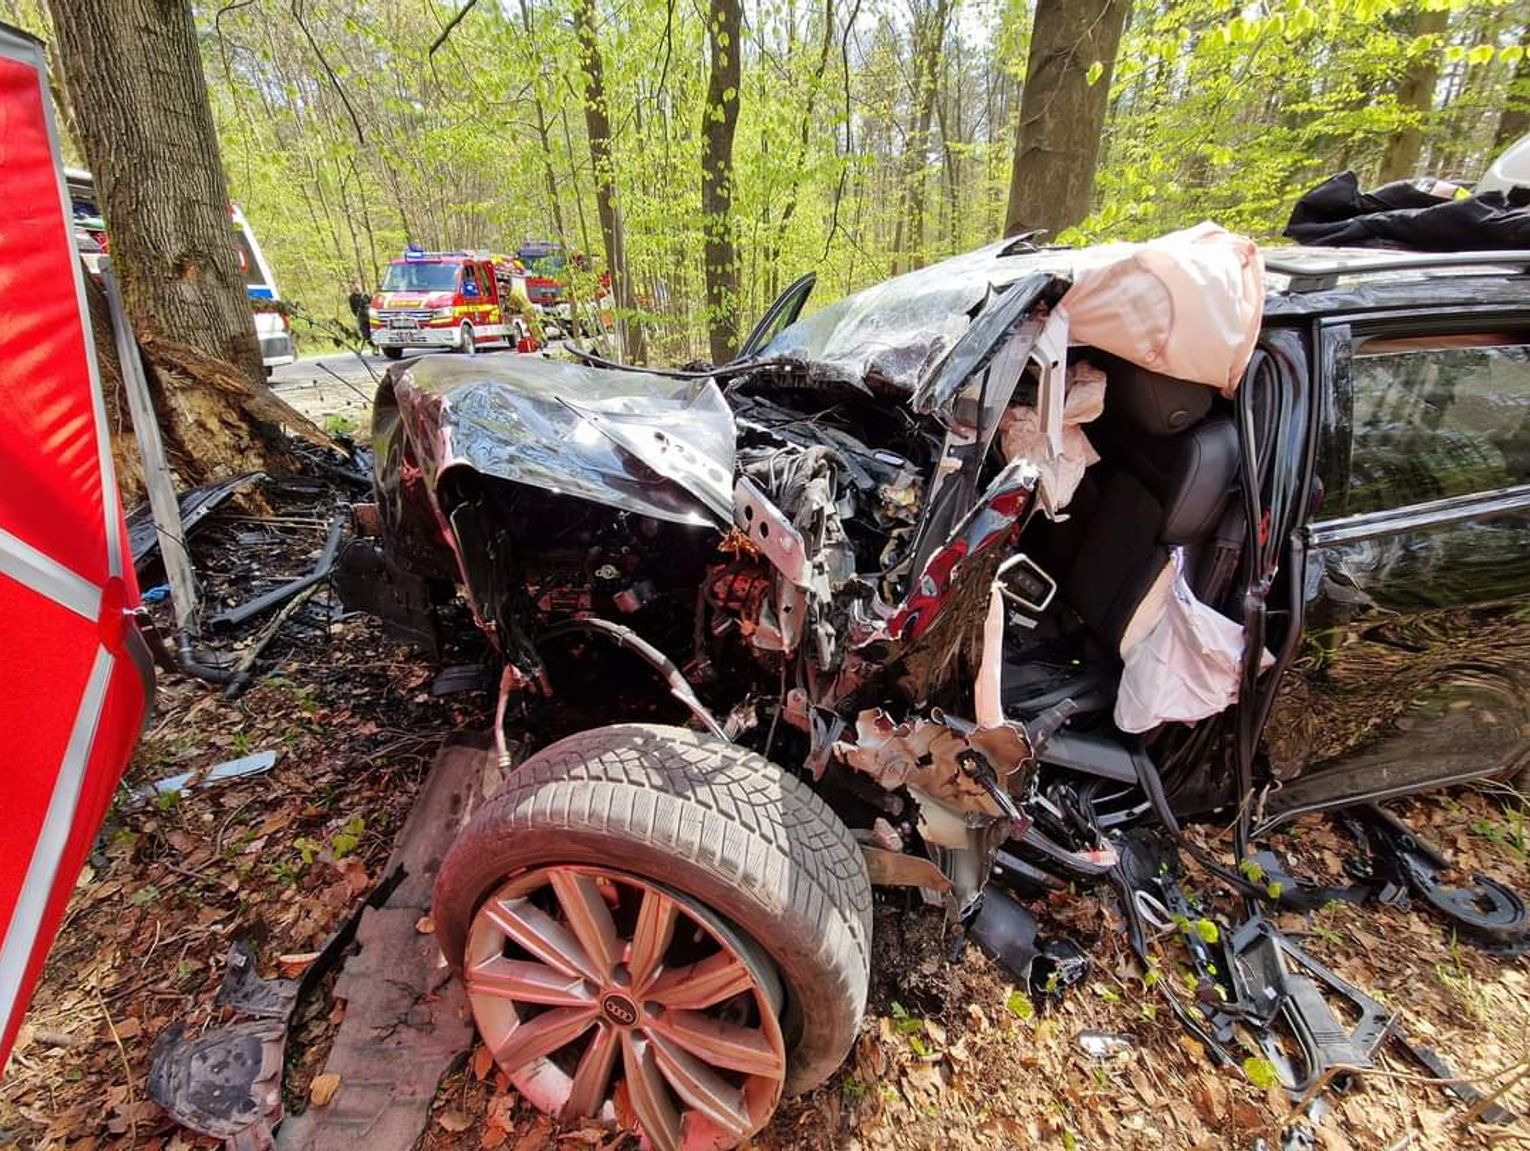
x=271, y=323
x=1511, y=170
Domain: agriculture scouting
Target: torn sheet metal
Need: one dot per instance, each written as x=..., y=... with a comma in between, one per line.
x=980, y=343
x=1002, y=506
x=228, y=769
x=196, y=505
x=952, y=761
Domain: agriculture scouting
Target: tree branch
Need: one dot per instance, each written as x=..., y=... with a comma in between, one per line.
x=450, y=24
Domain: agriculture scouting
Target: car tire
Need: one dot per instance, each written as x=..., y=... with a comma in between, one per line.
x=718, y=824
x=393, y=353
x=466, y=344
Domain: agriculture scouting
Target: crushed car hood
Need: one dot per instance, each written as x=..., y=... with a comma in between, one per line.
x=629, y=439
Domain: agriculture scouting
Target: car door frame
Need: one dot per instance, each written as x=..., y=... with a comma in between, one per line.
x=1333, y=341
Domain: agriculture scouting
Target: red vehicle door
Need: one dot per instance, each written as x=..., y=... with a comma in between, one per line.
x=74, y=697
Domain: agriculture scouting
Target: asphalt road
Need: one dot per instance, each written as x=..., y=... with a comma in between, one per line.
x=336, y=385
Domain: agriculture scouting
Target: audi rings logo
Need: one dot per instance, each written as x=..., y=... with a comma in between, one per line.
x=619, y=1010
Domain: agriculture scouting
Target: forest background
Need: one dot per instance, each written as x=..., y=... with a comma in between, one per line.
x=710, y=151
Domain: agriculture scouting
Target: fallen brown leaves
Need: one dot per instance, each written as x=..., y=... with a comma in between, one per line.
x=949, y=1057
x=280, y=858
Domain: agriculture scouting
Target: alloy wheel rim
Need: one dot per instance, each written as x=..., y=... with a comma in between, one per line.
x=606, y=996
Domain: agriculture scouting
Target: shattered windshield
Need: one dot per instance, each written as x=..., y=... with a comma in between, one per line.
x=897, y=331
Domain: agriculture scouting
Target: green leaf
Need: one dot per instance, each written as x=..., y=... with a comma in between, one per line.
x=1207, y=930
x=1260, y=1072
x=1096, y=70
x=1019, y=1005
x=1251, y=871
x=1512, y=55
x=1481, y=54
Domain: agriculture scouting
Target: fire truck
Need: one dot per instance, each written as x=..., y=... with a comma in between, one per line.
x=456, y=300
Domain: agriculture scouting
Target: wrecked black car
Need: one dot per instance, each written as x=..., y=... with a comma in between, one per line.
x=979, y=572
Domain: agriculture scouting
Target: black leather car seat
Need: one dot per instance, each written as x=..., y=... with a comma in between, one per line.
x=1168, y=470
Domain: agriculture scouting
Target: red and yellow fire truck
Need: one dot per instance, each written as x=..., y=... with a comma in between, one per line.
x=457, y=300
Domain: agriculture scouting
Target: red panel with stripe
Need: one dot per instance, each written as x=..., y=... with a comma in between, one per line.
x=74, y=693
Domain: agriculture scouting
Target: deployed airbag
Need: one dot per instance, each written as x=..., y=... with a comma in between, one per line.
x=1187, y=304
x=1187, y=667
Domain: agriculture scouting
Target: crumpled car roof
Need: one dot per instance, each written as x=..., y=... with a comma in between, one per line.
x=1188, y=304
x=895, y=332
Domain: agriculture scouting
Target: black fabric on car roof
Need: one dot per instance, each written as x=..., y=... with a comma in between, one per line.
x=1409, y=214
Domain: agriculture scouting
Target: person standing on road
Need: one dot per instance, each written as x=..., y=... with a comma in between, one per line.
x=361, y=305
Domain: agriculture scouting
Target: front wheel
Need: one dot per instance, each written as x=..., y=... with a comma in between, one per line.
x=393, y=353
x=465, y=342
x=659, y=929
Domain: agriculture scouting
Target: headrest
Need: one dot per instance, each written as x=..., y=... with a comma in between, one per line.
x=1157, y=404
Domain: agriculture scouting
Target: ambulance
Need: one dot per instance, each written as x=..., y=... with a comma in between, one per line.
x=455, y=300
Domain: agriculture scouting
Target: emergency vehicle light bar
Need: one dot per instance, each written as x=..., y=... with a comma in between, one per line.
x=416, y=254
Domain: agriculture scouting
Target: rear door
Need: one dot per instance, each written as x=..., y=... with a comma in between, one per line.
x=1416, y=668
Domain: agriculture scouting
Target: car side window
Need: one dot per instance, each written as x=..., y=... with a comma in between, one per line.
x=1437, y=418
x=469, y=280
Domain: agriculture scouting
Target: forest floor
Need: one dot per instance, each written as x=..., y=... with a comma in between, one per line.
x=949, y=1056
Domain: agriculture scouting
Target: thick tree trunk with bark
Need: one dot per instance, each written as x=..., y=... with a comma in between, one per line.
x=1415, y=95
x=720, y=114
x=141, y=111
x=597, y=120
x=929, y=37
x=1062, y=115
x=1515, y=120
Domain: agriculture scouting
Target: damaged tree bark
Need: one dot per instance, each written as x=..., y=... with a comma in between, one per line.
x=135, y=82
x=1062, y=112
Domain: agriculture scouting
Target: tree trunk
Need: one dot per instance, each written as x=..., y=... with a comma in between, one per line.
x=929, y=35
x=1415, y=96
x=597, y=121
x=1515, y=120
x=1062, y=115
x=721, y=118
x=139, y=97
